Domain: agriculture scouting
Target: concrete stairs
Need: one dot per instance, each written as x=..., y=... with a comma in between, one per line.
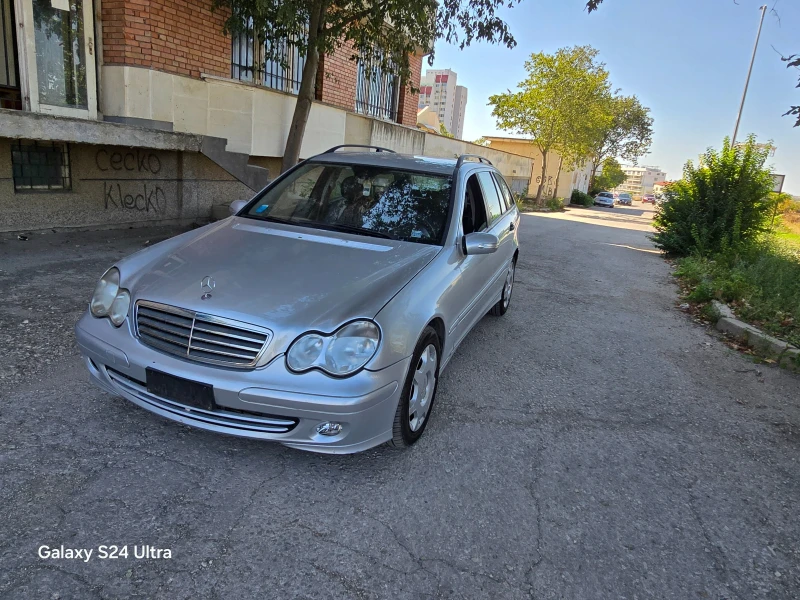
x=235, y=163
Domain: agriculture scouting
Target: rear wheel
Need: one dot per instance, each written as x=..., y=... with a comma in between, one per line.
x=419, y=390
x=499, y=309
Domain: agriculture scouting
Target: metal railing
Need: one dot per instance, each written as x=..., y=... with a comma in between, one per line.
x=277, y=66
x=377, y=88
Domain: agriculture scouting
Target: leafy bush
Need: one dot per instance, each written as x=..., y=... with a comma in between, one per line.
x=581, y=198
x=555, y=204
x=722, y=204
x=762, y=283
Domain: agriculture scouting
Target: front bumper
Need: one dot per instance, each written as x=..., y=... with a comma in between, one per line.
x=269, y=403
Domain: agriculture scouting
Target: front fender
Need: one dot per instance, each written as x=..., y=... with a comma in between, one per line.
x=405, y=316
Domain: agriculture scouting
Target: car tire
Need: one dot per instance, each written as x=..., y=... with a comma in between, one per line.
x=499, y=309
x=419, y=390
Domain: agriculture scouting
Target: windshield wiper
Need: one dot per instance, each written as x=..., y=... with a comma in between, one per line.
x=353, y=229
x=271, y=219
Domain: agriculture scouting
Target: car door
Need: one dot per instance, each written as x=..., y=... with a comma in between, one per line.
x=512, y=215
x=466, y=297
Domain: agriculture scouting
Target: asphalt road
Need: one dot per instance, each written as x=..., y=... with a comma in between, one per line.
x=593, y=443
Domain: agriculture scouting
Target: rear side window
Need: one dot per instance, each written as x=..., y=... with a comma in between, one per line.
x=491, y=195
x=505, y=192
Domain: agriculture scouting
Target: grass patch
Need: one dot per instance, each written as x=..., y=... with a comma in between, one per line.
x=761, y=284
x=548, y=205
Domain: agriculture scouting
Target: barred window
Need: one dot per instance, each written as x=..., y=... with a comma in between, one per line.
x=277, y=66
x=377, y=88
x=40, y=166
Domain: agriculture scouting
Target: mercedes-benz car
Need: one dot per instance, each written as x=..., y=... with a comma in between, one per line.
x=322, y=312
x=604, y=199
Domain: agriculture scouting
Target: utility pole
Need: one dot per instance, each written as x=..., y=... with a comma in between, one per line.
x=749, y=71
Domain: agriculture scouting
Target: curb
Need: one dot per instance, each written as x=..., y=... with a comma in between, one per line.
x=765, y=345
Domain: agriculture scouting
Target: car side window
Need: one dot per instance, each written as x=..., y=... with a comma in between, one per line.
x=474, y=217
x=508, y=198
x=491, y=195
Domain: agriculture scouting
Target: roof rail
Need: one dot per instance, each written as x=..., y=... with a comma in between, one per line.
x=461, y=159
x=377, y=148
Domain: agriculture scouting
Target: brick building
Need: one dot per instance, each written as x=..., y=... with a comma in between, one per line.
x=163, y=116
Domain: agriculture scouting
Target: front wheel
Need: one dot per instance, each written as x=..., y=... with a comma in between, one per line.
x=499, y=309
x=419, y=390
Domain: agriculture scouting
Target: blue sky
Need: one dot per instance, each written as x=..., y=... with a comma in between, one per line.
x=685, y=59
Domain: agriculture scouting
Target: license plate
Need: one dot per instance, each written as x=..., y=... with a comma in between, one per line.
x=182, y=391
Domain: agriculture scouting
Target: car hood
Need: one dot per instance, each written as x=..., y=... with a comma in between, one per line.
x=290, y=279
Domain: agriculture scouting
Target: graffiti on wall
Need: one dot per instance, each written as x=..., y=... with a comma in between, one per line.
x=548, y=185
x=134, y=194
x=129, y=160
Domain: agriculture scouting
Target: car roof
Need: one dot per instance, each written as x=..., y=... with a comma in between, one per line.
x=390, y=160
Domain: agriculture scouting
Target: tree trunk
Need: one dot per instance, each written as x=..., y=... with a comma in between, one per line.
x=595, y=165
x=558, y=175
x=543, y=179
x=305, y=97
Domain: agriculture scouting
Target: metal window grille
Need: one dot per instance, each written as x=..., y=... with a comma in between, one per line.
x=40, y=166
x=377, y=89
x=277, y=66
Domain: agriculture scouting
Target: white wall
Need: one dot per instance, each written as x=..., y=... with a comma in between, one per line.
x=255, y=120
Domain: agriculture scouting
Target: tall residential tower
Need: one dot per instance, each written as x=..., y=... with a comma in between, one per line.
x=439, y=91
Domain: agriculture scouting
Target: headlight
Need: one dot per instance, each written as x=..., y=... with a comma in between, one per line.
x=342, y=353
x=109, y=300
x=105, y=293
x=119, y=309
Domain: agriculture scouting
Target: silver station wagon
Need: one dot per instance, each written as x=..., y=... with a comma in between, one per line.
x=322, y=312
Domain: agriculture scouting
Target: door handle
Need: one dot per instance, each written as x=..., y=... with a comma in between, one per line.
x=511, y=227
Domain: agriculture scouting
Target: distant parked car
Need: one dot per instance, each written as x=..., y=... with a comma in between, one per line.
x=604, y=199
x=649, y=198
x=625, y=199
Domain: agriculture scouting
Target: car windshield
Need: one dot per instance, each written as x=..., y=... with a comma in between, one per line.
x=624, y=195
x=365, y=200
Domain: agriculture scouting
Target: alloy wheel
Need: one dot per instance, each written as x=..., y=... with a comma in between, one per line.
x=422, y=388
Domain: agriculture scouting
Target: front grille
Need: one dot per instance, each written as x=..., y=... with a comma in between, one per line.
x=198, y=336
x=240, y=420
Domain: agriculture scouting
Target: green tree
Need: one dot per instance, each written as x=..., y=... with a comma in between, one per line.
x=559, y=92
x=793, y=61
x=383, y=33
x=624, y=130
x=610, y=176
x=779, y=203
x=722, y=204
x=444, y=132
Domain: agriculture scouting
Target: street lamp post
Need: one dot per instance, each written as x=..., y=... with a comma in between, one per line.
x=747, y=81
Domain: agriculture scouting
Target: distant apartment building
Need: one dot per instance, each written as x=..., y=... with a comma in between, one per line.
x=660, y=186
x=440, y=92
x=640, y=180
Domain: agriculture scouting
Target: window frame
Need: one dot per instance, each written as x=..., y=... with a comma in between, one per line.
x=504, y=187
x=268, y=72
x=373, y=83
x=490, y=218
x=30, y=147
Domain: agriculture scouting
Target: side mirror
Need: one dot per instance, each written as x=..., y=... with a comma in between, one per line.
x=479, y=243
x=237, y=205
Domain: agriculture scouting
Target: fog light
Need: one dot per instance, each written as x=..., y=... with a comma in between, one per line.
x=329, y=428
